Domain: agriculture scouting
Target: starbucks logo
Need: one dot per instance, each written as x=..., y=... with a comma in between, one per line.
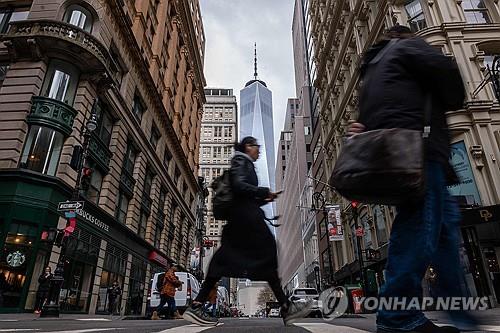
x=16, y=259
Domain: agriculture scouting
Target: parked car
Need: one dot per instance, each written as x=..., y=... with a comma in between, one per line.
x=184, y=295
x=308, y=294
x=274, y=313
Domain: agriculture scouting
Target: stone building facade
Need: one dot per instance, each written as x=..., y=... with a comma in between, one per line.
x=466, y=30
x=139, y=66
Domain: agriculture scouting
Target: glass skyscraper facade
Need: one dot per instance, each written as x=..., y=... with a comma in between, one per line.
x=256, y=116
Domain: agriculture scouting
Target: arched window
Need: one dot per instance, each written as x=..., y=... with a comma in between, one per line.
x=79, y=16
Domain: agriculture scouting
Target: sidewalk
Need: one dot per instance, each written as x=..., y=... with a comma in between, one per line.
x=13, y=317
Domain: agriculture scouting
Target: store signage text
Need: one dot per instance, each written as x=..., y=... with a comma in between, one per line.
x=92, y=219
x=156, y=257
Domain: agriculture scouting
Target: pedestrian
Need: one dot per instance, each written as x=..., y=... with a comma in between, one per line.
x=248, y=248
x=42, y=292
x=212, y=301
x=114, y=293
x=401, y=74
x=167, y=295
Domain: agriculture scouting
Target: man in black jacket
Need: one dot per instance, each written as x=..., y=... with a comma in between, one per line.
x=403, y=76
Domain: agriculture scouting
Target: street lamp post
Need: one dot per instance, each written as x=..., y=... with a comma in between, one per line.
x=359, y=238
x=319, y=201
x=51, y=306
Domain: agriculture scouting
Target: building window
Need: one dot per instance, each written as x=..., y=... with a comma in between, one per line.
x=155, y=136
x=416, y=18
x=476, y=11
x=138, y=108
x=122, y=207
x=167, y=157
x=143, y=220
x=42, y=150
x=148, y=183
x=79, y=16
x=105, y=125
x=61, y=82
x=12, y=15
x=129, y=161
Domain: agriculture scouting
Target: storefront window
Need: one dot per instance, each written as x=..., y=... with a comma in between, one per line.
x=42, y=150
x=81, y=252
x=136, y=286
x=16, y=256
x=115, y=264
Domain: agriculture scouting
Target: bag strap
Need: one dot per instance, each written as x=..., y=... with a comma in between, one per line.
x=384, y=51
x=428, y=96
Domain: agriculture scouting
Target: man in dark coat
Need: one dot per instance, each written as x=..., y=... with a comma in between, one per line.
x=248, y=248
x=114, y=293
x=403, y=76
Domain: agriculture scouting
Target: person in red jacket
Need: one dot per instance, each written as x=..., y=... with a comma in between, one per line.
x=167, y=294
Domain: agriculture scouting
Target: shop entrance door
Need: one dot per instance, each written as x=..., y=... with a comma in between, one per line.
x=16, y=264
x=475, y=268
x=491, y=256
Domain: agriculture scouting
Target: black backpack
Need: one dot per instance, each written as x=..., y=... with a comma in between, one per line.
x=223, y=197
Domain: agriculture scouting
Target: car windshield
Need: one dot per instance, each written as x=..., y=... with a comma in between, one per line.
x=304, y=292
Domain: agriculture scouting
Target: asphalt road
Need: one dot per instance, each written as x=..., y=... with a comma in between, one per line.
x=359, y=324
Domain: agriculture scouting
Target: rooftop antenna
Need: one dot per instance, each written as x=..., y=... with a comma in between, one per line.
x=255, y=66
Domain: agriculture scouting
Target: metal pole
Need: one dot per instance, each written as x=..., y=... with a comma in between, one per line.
x=360, y=250
x=325, y=214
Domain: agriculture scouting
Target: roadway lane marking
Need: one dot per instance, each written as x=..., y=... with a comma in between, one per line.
x=19, y=329
x=189, y=329
x=328, y=328
x=94, y=319
x=87, y=330
x=9, y=320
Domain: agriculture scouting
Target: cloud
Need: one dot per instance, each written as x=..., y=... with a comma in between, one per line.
x=231, y=29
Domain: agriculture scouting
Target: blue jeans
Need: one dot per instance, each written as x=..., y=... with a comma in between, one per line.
x=424, y=234
x=164, y=299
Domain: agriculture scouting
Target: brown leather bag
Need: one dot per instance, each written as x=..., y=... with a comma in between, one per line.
x=384, y=166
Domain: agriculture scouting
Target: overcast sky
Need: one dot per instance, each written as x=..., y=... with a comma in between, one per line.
x=231, y=29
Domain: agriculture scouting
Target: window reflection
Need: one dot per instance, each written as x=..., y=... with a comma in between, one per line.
x=59, y=85
x=42, y=150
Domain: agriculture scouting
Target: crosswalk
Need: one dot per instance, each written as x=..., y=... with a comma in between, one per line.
x=312, y=327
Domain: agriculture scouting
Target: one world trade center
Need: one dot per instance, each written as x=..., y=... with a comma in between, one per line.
x=256, y=116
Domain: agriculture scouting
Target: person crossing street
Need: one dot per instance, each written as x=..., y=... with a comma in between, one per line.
x=248, y=248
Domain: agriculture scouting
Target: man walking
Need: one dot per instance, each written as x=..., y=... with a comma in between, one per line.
x=401, y=75
x=167, y=294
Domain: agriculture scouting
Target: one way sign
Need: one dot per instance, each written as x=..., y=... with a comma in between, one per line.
x=66, y=206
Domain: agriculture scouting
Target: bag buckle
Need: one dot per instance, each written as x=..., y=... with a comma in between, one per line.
x=427, y=132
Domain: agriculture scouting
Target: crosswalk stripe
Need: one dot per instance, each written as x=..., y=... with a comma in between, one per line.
x=88, y=330
x=19, y=329
x=94, y=319
x=489, y=328
x=188, y=329
x=327, y=328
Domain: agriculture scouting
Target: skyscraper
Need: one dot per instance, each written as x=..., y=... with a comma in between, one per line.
x=257, y=120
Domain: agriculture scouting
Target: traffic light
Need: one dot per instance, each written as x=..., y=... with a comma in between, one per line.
x=354, y=204
x=71, y=225
x=76, y=157
x=86, y=177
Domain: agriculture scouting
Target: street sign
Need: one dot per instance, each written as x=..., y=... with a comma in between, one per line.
x=66, y=206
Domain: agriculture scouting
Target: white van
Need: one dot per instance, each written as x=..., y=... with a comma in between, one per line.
x=183, y=296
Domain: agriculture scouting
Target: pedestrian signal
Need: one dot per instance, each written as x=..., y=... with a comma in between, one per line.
x=86, y=177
